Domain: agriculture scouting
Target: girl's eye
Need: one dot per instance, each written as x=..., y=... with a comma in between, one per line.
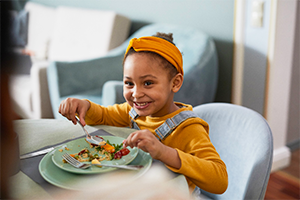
x=147, y=83
x=128, y=83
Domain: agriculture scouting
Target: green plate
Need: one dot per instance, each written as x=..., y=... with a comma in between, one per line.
x=63, y=179
x=76, y=146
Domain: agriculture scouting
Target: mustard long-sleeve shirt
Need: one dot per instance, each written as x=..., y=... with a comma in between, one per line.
x=200, y=162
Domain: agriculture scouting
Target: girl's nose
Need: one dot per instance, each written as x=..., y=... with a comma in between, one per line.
x=137, y=92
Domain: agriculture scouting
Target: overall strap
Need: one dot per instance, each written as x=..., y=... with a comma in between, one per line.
x=170, y=124
x=134, y=115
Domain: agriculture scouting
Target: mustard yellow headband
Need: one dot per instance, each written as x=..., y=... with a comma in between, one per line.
x=158, y=45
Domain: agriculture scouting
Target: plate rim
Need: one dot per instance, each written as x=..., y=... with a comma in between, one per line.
x=64, y=186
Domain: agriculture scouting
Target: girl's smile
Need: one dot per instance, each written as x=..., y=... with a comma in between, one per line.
x=141, y=105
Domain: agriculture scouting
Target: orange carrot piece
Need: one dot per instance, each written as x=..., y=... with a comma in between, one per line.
x=109, y=148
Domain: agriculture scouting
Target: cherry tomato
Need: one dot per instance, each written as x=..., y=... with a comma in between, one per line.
x=124, y=151
x=118, y=155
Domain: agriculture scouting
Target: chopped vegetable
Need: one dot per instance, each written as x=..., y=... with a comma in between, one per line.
x=109, y=148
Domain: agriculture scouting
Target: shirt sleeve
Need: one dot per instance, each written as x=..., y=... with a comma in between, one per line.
x=200, y=162
x=116, y=115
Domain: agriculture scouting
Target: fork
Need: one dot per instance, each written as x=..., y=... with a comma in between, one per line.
x=89, y=138
x=80, y=165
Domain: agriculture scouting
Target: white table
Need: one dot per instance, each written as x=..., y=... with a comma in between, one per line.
x=36, y=134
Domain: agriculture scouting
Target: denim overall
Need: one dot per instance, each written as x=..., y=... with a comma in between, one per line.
x=164, y=130
x=167, y=128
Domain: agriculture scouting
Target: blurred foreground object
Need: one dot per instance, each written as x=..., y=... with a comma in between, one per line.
x=157, y=183
x=10, y=162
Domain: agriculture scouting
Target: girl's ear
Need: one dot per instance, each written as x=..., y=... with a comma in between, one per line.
x=177, y=82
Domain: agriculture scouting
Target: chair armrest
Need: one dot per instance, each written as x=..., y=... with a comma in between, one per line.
x=40, y=94
x=112, y=93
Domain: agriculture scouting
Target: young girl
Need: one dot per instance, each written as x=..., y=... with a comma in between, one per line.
x=168, y=130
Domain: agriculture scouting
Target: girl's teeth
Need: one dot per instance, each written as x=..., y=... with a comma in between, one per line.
x=141, y=104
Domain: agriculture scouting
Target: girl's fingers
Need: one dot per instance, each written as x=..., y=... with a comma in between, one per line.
x=82, y=120
x=141, y=145
x=72, y=106
x=130, y=141
x=81, y=114
x=67, y=108
x=124, y=143
x=139, y=139
x=146, y=141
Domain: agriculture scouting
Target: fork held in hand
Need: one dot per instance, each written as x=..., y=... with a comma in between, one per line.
x=75, y=163
x=89, y=138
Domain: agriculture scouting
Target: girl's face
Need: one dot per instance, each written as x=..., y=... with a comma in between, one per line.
x=147, y=87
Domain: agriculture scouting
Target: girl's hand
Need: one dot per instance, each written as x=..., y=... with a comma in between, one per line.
x=72, y=106
x=145, y=140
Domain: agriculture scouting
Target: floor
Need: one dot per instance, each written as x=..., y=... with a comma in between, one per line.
x=285, y=184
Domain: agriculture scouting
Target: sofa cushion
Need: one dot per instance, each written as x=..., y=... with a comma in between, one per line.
x=81, y=34
x=41, y=22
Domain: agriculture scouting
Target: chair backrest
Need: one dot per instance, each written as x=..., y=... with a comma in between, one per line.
x=200, y=60
x=244, y=141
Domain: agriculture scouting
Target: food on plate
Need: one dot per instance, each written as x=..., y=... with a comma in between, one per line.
x=105, y=151
x=66, y=148
x=122, y=152
x=95, y=161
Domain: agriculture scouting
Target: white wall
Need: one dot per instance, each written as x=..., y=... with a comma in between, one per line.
x=293, y=136
x=280, y=74
x=262, y=77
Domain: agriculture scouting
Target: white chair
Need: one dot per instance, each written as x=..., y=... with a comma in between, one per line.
x=61, y=34
x=244, y=141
